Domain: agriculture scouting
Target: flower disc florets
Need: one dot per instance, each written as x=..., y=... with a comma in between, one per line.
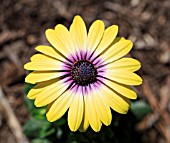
x=83, y=72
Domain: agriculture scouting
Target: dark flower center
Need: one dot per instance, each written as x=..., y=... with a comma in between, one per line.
x=83, y=72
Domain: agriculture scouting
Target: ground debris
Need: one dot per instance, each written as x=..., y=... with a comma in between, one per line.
x=146, y=23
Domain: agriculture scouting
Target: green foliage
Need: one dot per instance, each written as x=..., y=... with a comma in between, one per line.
x=38, y=128
x=121, y=130
x=28, y=88
x=38, y=113
x=140, y=109
x=40, y=141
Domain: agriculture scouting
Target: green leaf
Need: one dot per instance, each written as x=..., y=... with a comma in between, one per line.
x=39, y=113
x=40, y=141
x=29, y=104
x=36, y=112
x=38, y=128
x=140, y=109
x=60, y=122
x=47, y=132
x=59, y=133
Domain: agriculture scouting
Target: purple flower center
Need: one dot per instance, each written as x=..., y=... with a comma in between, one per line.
x=83, y=72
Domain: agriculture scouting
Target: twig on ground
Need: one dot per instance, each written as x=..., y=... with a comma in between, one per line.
x=159, y=118
x=12, y=120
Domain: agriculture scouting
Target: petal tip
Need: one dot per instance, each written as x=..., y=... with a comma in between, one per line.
x=30, y=96
x=39, y=47
x=135, y=97
x=141, y=81
x=28, y=80
x=115, y=27
x=59, y=26
x=27, y=66
x=49, y=118
x=72, y=128
x=37, y=103
x=48, y=32
x=130, y=43
x=78, y=18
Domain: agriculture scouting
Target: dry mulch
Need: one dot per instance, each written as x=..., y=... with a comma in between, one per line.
x=146, y=23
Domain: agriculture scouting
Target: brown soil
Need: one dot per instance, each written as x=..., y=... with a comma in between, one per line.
x=146, y=23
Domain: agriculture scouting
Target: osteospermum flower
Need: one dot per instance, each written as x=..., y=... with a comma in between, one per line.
x=84, y=74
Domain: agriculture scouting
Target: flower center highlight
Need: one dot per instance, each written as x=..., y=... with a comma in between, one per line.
x=83, y=72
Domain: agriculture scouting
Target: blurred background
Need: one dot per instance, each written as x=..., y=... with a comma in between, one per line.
x=145, y=22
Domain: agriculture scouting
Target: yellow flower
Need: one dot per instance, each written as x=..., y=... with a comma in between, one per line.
x=84, y=74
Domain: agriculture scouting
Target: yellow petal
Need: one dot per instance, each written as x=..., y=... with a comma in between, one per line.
x=95, y=35
x=65, y=38
x=79, y=33
x=116, y=40
x=75, y=113
x=51, y=93
x=42, y=58
x=85, y=123
x=33, y=93
x=39, y=76
x=124, y=77
x=50, y=52
x=108, y=37
x=59, y=107
x=117, y=51
x=49, y=106
x=126, y=64
x=124, y=90
x=93, y=117
x=102, y=109
x=116, y=101
x=60, y=40
x=44, y=66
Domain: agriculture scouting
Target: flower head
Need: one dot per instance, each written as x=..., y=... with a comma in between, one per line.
x=84, y=74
